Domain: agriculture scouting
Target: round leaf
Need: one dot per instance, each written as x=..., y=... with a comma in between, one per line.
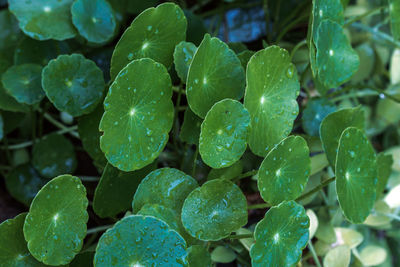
x=140, y=241
x=314, y=113
x=10, y=34
x=313, y=222
x=94, y=20
x=214, y=210
x=326, y=9
x=271, y=92
x=23, y=183
x=284, y=172
x=153, y=34
x=54, y=155
x=214, y=74
x=349, y=237
x=356, y=175
x=336, y=59
x=224, y=133
x=138, y=115
x=23, y=82
x=167, y=187
x=373, y=255
x=280, y=236
x=198, y=256
x=338, y=257
x=223, y=254
x=56, y=223
x=13, y=250
x=162, y=213
x=44, y=19
x=183, y=56
x=73, y=84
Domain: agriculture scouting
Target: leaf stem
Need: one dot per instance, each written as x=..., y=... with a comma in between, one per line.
x=316, y=189
x=98, y=229
x=297, y=46
x=196, y=153
x=59, y=124
x=246, y=174
x=89, y=178
x=242, y=236
x=366, y=14
x=290, y=26
x=259, y=206
x=314, y=254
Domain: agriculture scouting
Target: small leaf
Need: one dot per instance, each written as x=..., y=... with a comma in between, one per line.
x=140, y=241
x=271, y=92
x=138, y=115
x=73, y=84
x=23, y=183
x=116, y=189
x=349, y=237
x=46, y=19
x=56, y=223
x=94, y=20
x=13, y=250
x=356, y=175
x=224, y=133
x=315, y=111
x=222, y=254
x=334, y=124
x=313, y=222
x=245, y=57
x=337, y=62
x=246, y=242
x=378, y=217
x=215, y=74
x=284, y=173
x=198, y=256
x=280, y=236
x=167, y=187
x=153, y=34
x=190, y=131
x=338, y=257
x=394, y=10
x=373, y=255
x=227, y=173
x=183, y=56
x=384, y=164
x=54, y=155
x=214, y=210
x=23, y=82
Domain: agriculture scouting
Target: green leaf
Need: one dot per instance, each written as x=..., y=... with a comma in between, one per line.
x=23, y=82
x=13, y=250
x=372, y=255
x=153, y=34
x=227, y=173
x=167, y=186
x=54, y=155
x=326, y=9
x=140, y=241
x=356, y=175
x=284, y=172
x=245, y=57
x=315, y=111
x=214, y=210
x=23, y=183
x=10, y=33
x=44, y=19
x=115, y=191
x=88, y=128
x=56, y=223
x=394, y=10
x=138, y=115
x=183, y=56
x=338, y=257
x=246, y=242
x=73, y=84
x=334, y=124
x=222, y=254
x=336, y=61
x=94, y=20
x=271, y=92
x=384, y=165
x=190, y=131
x=224, y=133
x=280, y=236
x=215, y=74
x=349, y=237
x=198, y=256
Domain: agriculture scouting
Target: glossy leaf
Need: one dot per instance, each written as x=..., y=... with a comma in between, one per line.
x=334, y=124
x=190, y=131
x=23, y=183
x=73, y=84
x=384, y=165
x=54, y=155
x=356, y=175
x=394, y=9
x=44, y=19
x=115, y=191
x=13, y=250
x=23, y=82
x=315, y=111
x=271, y=92
x=224, y=133
x=280, y=236
x=167, y=187
x=284, y=172
x=198, y=256
x=153, y=34
x=326, y=9
x=214, y=74
x=94, y=20
x=57, y=219
x=336, y=60
x=140, y=241
x=214, y=210
x=183, y=56
x=138, y=115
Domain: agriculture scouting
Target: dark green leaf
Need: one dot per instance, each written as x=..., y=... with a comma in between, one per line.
x=198, y=256
x=227, y=173
x=315, y=111
x=394, y=9
x=384, y=165
x=190, y=131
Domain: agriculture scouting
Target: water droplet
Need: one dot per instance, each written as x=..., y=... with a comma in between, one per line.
x=290, y=71
x=130, y=56
x=219, y=148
